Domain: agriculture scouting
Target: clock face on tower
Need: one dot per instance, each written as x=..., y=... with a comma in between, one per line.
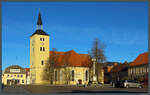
x=42, y=43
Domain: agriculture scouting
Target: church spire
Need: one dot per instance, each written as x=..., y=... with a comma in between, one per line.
x=39, y=22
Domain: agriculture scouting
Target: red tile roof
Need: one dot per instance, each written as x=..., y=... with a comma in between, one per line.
x=72, y=58
x=27, y=69
x=119, y=68
x=141, y=59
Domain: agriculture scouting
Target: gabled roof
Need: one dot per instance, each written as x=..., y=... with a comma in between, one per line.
x=71, y=58
x=119, y=68
x=140, y=60
x=39, y=32
x=7, y=70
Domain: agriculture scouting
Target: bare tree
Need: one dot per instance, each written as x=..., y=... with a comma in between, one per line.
x=97, y=52
x=67, y=71
x=49, y=68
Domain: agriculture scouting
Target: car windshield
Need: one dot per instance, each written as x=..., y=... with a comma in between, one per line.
x=132, y=81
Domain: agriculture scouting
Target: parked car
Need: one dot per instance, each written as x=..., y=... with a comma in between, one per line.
x=131, y=83
x=117, y=84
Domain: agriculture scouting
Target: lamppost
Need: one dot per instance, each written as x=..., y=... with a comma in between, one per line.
x=94, y=75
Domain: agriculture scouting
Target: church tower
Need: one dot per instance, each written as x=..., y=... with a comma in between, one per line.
x=39, y=53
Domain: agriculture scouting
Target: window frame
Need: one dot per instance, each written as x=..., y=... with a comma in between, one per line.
x=42, y=62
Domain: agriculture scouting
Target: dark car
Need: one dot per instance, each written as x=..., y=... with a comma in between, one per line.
x=118, y=84
x=89, y=83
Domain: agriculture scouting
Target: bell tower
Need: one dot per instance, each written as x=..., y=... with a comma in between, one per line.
x=39, y=53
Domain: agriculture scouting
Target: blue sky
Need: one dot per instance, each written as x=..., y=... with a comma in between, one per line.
x=122, y=26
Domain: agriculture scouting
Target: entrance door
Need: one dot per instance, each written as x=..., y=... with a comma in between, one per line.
x=9, y=82
x=16, y=81
x=80, y=81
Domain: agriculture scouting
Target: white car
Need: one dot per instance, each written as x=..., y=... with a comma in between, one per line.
x=132, y=83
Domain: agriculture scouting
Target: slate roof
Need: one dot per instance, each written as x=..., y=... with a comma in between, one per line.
x=39, y=32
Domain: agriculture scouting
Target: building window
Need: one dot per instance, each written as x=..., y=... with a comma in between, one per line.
x=40, y=39
x=21, y=75
x=40, y=48
x=11, y=75
x=147, y=69
x=42, y=62
x=43, y=39
x=17, y=75
x=55, y=75
x=72, y=75
x=22, y=81
x=7, y=75
x=33, y=50
x=86, y=75
x=43, y=48
x=61, y=75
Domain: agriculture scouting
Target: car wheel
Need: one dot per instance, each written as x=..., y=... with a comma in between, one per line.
x=127, y=86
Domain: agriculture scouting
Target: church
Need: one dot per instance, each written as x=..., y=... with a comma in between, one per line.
x=71, y=68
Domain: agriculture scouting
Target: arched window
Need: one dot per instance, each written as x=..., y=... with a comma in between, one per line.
x=43, y=48
x=40, y=48
x=72, y=75
x=42, y=62
x=86, y=75
x=55, y=75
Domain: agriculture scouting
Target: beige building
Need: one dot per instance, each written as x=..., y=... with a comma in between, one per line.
x=139, y=67
x=27, y=75
x=39, y=53
x=14, y=75
x=71, y=68
x=76, y=75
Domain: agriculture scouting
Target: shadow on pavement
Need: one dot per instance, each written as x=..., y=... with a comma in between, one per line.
x=81, y=91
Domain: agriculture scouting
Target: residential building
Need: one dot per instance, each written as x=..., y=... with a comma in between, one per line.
x=14, y=75
x=107, y=69
x=138, y=69
x=27, y=75
x=119, y=72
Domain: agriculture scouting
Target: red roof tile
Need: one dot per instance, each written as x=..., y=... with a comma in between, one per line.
x=72, y=58
x=27, y=69
x=141, y=59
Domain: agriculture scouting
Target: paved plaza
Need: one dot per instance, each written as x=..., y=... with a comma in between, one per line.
x=71, y=89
